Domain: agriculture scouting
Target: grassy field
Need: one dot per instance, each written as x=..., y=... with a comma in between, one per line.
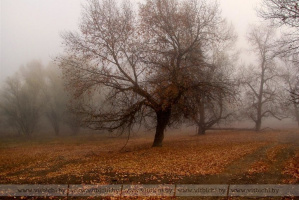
x=219, y=157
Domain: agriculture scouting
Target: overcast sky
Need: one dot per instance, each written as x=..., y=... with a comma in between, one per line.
x=30, y=29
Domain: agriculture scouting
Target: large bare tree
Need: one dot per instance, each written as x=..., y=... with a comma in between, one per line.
x=284, y=14
x=260, y=79
x=142, y=64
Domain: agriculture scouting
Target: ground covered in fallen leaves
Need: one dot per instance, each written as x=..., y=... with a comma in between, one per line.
x=219, y=157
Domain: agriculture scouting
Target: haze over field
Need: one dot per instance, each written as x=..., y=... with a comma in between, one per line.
x=225, y=52
x=30, y=29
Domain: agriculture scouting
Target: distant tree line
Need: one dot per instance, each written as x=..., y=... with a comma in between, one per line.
x=32, y=93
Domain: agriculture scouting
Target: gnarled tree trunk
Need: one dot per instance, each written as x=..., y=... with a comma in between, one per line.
x=202, y=118
x=201, y=130
x=258, y=124
x=163, y=117
x=296, y=111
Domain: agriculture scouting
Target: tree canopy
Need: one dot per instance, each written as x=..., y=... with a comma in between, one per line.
x=143, y=64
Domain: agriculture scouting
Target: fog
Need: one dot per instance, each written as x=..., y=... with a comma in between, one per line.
x=30, y=29
x=31, y=36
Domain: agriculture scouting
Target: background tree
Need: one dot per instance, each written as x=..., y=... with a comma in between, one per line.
x=207, y=109
x=71, y=117
x=290, y=76
x=284, y=13
x=259, y=79
x=56, y=97
x=73, y=121
x=144, y=64
x=21, y=100
x=281, y=12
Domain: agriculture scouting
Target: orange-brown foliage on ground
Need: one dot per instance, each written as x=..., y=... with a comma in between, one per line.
x=272, y=152
x=263, y=164
x=292, y=168
x=258, y=167
x=180, y=155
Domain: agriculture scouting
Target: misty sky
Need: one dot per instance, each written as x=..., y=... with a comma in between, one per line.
x=30, y=29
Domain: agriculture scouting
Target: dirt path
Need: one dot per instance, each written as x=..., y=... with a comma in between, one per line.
x=241, y=166
x=238, y=172
x=235, y=173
